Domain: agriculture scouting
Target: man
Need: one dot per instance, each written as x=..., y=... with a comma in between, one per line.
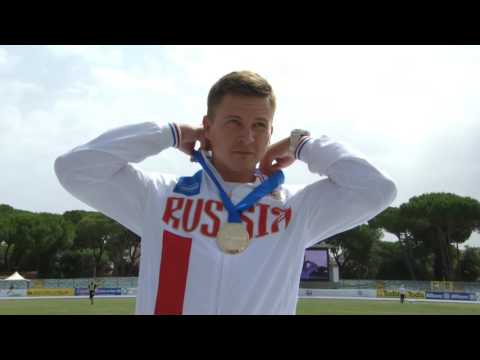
x=230, y=239
x=92, y=286
x=402, y=293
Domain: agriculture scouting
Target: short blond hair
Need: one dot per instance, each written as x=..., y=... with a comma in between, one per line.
x=246, y=83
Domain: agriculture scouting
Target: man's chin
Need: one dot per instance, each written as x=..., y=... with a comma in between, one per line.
x=245, y=168
x=247, y=157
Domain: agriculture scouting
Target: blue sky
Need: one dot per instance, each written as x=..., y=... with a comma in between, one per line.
x=413, y=110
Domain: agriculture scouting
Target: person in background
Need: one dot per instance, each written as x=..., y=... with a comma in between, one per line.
x=92, y=286
x=402, y=293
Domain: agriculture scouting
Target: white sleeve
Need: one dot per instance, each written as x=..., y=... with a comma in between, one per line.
x=101, y=175
x=353, y=191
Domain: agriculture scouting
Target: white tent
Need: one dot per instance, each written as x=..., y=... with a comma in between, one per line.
x=16, y=276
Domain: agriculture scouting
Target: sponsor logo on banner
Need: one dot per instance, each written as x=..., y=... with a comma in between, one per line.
x=129, y=291
x=13, y=292
x=396, y=293
x=445, y=295
x=434, y=295
x=51, y=292
x=99, y=291
x=463, y=296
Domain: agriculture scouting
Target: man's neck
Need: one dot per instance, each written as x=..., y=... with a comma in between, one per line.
x=231, y=176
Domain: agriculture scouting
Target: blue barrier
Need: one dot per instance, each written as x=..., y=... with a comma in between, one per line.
x=445, y=295
x=99, y=291
x=463, y=296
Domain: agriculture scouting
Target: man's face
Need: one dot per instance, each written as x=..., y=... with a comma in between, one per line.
x=239, y=133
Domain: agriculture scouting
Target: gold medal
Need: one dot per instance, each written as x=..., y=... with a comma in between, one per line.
x=233, y=238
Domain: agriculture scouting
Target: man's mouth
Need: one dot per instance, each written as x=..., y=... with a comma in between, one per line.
x=244, y=152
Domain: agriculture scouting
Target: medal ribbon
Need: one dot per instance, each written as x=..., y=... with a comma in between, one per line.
x=234, y=211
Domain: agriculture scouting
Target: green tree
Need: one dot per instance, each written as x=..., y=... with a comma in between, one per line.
x=124, y=250
x=391, y=221
x=470, y=264
x=440, y=220
x=21, y=238
x=415, y=253
x=75, y=263
x=6, y=241
x=75, y=216
x=51, y=235
x=355, y=252
x=7, y=229
x=95, y=231
x=392, y=264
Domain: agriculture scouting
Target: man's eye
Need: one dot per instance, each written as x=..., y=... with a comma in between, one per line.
x=260, y=124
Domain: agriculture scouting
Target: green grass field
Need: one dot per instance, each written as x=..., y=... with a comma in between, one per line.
x=74, y=306
x=126, y=306
x=374, y=307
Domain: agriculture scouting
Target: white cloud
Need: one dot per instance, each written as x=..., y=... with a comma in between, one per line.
x=10, y=121
x=93, y=54
x=3, y=57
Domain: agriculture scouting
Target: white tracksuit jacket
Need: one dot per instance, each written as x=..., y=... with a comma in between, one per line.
x=182, y=270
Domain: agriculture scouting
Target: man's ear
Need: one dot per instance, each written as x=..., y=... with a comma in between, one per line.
x=206, y=126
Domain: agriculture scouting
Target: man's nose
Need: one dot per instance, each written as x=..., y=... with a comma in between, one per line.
x=247, y=135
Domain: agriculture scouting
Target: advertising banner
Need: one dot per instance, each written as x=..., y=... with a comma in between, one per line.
x=129, y=291
x=99, y=291
x=13, y=292
x=50, y=292
x=395, y=293
x=445, y=295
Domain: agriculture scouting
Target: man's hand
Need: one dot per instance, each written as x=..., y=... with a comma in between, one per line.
x=278, y=152
x=189, y=137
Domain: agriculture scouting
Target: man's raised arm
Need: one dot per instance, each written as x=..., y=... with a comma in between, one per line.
x=101, y=173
